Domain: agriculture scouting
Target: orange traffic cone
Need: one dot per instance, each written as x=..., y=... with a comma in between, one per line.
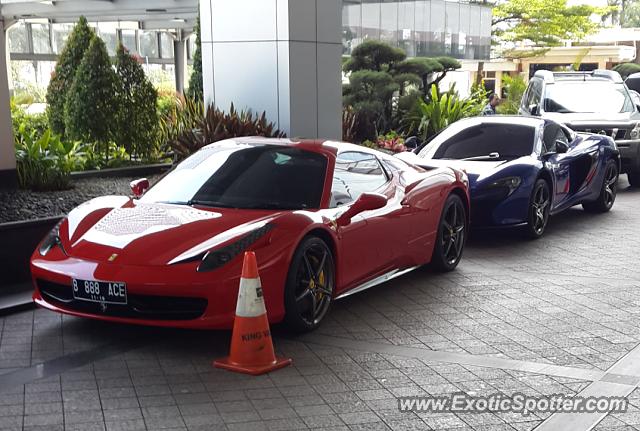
x=251, y=345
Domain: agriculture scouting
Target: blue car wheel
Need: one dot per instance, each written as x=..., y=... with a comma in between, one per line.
x=539, y=207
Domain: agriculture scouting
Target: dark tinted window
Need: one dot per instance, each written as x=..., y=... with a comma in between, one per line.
x=245, y=176
x=508, y=140
x=355, y=173
x=552, y=133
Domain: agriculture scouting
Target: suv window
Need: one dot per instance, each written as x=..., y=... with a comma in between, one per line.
x=588, y=97
x=534, y=94
x=355, y=173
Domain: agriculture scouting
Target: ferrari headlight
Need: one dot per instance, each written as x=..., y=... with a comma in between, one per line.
x=511, y=183
x=216, y=258
x=52, y=239
x=635, y=132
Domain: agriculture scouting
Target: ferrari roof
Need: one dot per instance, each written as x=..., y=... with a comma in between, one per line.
x=507, y=119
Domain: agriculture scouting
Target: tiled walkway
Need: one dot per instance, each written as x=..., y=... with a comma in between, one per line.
x=558, y=315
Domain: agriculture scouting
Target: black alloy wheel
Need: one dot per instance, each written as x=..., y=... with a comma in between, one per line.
x=310, y=285
x=608, y=192
x=452, y=234
x=539, y=209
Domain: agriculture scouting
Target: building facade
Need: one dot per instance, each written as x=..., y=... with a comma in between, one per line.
x=422, y=28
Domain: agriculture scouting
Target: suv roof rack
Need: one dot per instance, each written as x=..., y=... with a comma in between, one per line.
x=549, y=76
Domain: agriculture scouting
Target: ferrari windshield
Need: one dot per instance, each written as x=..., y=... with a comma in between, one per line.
x=587, y=97
x=483, y=141
x=236, y=175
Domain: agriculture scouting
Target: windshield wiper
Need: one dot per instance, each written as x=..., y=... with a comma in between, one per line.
x=206, y=203
x=490, y=156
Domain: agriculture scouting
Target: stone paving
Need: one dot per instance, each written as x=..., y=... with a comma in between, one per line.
x=536, y=317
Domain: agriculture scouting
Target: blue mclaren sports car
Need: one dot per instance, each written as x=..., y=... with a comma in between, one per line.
x=522, y=169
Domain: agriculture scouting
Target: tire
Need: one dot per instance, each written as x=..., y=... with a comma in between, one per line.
x=539, y=208
x=452, y=234
x=634, y=179
x=608, y=190
x=307, y=302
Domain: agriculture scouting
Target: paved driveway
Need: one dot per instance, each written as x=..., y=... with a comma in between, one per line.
x=560, y=315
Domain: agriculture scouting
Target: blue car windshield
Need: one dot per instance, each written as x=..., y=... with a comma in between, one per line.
x=236, y=175
x=509, y=141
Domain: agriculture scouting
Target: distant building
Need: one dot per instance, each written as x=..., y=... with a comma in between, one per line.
x=422, y=28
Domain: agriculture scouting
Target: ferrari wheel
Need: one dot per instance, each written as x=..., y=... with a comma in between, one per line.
x=310, y=285
x=608, y=192
x=634, y=179
x=452, y=233
x=539, y=208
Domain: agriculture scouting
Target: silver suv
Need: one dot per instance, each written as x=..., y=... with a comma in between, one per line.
x=596, y=102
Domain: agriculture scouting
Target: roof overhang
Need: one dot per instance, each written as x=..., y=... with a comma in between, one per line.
x=150, y=14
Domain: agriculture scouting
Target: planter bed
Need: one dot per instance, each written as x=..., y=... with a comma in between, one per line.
x=26, y=217
x=22, y=205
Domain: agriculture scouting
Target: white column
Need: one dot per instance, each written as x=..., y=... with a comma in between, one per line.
x=7, y=152
x=180, y=61
x=278, y=56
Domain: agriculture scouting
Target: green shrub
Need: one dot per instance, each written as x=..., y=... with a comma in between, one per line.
x=92, y=102
x=432, y=116
x=626, y=69
x=45, y=162
x=137, y=115
x=32, y=123
x=65, y=72
x=167, y=104
x=196, y=127
x=514, y=87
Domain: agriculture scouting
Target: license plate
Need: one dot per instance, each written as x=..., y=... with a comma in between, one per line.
x=106, y=292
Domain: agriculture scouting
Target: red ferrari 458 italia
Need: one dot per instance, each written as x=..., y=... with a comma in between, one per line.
x=325, y=219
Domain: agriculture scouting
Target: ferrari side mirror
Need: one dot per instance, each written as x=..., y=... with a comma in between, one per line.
x=138, y=187
x=366, y=202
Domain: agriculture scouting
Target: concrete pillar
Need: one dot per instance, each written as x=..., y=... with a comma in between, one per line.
x=278, y=56
x=180, y=61
x=8, y=178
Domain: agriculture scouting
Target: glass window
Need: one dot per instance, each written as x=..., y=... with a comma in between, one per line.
x=41, y=41
x=148, y=44
x=351, y=25
x=475, y=25
x=17, y=35
x=485, y=32
x=245, y=176
x=423, y=26
x=389, y=22
x=191, y=46
x=510, y=141
x=587, y=96
x=436, y=37
x=370, y=19
x=129, y=40
x=452, y=28
x=107, y=32
x=406, y=27
x=355, y=173
x=60, y=34
x=464, y=30
x=166, y=41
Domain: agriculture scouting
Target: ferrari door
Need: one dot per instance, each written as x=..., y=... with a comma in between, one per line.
x=368, y=243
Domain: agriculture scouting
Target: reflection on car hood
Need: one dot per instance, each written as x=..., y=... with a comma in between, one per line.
x=475, y=169
x=155, y=234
